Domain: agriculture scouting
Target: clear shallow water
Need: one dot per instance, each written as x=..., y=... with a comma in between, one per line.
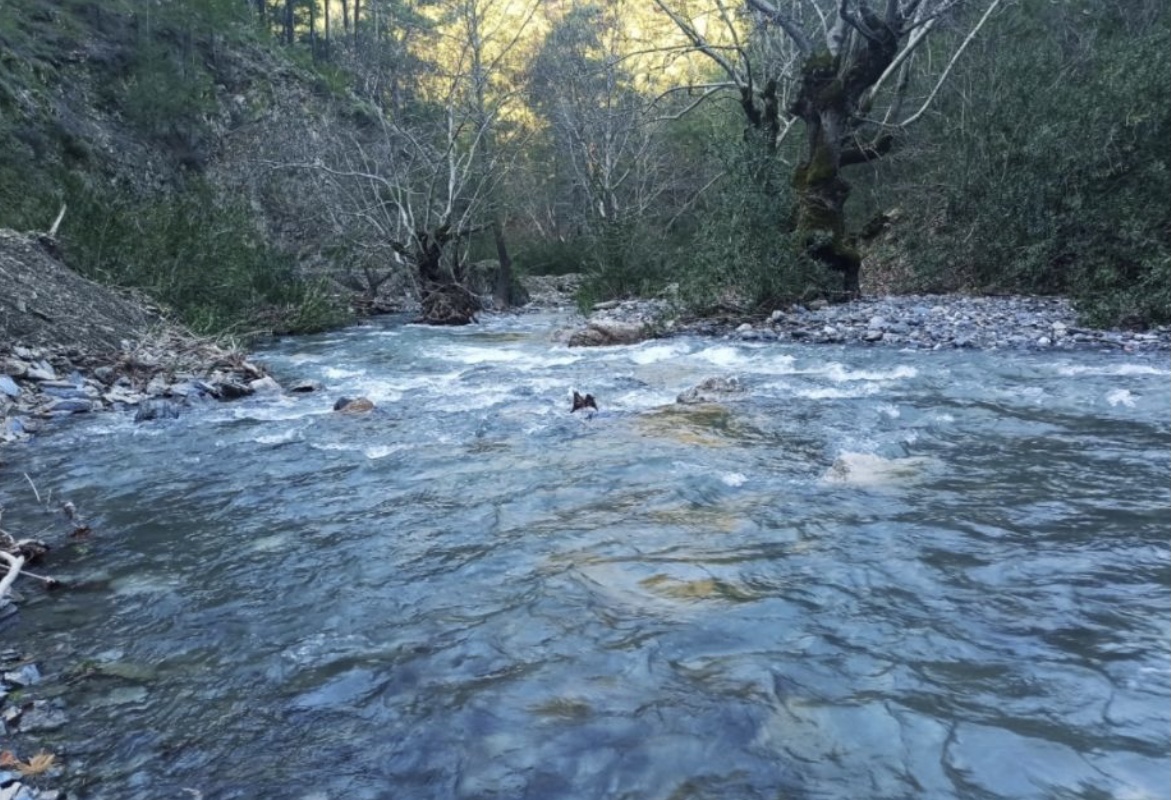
x=876, y=574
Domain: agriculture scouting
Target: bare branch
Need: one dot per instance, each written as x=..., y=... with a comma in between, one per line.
x=954, y=58
x=785, y=22
x=700, y=43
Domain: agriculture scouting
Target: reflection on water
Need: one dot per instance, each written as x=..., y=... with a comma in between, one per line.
x=873, y=574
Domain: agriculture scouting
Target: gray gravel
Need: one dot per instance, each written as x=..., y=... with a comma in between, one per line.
x=927, y=322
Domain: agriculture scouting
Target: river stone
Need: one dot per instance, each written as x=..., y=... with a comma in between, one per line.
x=599, y=333
x=265, y=385
x=9, y=387
x=304, y=387
x=27, y=675
x=155, y=408
x=711, y=390
x=41, y=371
x=358, y=405
x=17, y=791
x=231, y=390
x=70, y=405
x=42, y=717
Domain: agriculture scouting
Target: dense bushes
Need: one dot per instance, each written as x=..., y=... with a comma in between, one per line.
x=1046, y=166
x=743, y=252
x=202, y=258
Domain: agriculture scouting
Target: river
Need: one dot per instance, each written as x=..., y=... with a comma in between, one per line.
x=875, y=574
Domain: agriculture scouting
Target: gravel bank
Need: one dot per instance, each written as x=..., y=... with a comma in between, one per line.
x=922, y=322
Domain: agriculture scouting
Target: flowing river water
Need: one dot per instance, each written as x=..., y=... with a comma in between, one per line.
x=874, y=574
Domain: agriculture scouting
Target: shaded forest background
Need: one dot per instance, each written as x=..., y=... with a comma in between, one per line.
x=254, y=165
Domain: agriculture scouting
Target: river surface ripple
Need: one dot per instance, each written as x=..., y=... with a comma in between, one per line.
x=875, y=574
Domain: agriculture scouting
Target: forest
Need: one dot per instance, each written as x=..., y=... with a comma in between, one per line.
x=250, y=164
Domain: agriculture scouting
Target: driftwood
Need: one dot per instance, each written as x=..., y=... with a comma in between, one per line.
x=15, y=553
x=15, y=563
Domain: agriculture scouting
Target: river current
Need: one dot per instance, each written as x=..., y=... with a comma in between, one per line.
x=874, y=574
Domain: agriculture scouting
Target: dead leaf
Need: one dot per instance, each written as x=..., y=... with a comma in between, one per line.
x=37, y=765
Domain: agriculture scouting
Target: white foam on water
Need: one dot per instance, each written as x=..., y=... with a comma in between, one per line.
x=304, y=358
x=375, y=452
x=869, y=470
x=139, y=584
x=889, y=410
x=458, y=401
x=654, y=353
x=337, y=373
x=1121, y=397
x=723, y=356
x=269, y=544
x=1125, y=368
x=836, y=392
x=284, y=409
x=734, y=479
x=841, y=374
x=289, y=435
x=343, y=446
x=641, y=400
x=470, y=354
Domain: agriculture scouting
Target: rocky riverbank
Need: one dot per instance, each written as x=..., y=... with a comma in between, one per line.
x=71, y=346
x=24, y=778
x=919, y=322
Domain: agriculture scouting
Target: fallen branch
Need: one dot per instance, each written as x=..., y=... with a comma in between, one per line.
x=14, y=565
x=30, y=483
x=57, y=222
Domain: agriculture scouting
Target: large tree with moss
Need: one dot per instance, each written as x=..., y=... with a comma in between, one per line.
x=841, y=72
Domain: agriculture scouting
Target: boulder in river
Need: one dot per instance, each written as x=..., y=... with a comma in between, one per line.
x=603, y=332
x=156, y=408
x=712, y=390
x=358, y=405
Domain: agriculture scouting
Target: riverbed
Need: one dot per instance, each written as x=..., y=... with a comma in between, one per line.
x=873, y=572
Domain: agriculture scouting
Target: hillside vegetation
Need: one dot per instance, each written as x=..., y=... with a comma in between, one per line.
x=256, y=165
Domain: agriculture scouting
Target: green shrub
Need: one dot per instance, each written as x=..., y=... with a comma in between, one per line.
x=200, y=257
x=626, y=258
x=1046, y=169
x=742, y=254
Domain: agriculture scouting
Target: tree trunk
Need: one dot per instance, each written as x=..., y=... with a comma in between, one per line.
x=345, y=19
x=502, y=294
x=444, y=301
x=831, y=88
x=289, y=21
x=821, y=190
x=313, y=28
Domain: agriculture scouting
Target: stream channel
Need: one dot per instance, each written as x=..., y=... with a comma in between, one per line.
x=873, y=574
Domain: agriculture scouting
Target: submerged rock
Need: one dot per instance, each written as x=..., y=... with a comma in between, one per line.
x=359, y=405
x=157, y=409
x=712, y=390
x=600, y=333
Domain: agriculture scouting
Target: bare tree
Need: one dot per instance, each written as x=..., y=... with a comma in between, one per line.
x=606, y=147
x=839, y=68
x=487, y=36
x=406, y=201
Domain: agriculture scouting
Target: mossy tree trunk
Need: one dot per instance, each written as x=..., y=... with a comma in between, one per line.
x=443, y=297
x=835, y=77
x=828, y=101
